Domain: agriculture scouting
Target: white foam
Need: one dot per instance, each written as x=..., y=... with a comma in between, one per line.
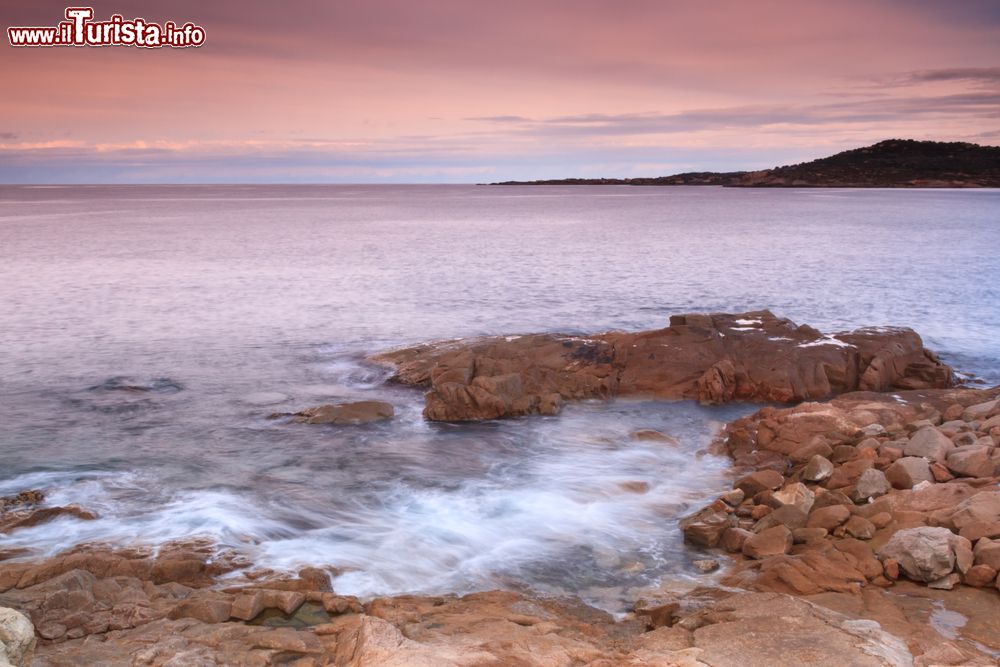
x=826, y=340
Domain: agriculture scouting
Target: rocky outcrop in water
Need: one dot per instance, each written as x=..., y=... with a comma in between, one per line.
x=342, y=414
x=25, y=510
x=713, y=358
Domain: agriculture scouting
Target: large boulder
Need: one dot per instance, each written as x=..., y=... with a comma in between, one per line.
x=713, y=358
x=17, y=638
x=927, y=553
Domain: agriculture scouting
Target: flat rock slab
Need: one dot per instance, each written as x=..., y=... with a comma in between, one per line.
x=715, y=358
x=770, y=630
x=346, y=414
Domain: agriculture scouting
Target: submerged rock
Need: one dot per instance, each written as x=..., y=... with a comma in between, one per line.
x=714, y=358
x=346, y=414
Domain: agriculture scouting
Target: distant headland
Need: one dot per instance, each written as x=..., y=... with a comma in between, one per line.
x=893, y=163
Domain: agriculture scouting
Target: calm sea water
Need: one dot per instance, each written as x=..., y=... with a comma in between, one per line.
x=228, y=303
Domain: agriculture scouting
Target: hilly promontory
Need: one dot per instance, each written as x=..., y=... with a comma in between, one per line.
x=893, y=163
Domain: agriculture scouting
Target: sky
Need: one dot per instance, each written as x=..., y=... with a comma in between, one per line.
x=406, y=91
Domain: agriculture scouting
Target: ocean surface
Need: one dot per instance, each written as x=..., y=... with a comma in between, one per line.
x=225, y=304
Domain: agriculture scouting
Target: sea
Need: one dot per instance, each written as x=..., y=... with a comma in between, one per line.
x=147, y=333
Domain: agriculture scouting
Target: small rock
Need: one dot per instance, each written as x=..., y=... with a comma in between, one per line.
x=940, y=473
x=981, y=410
x=975, y=530
x=973, y=461
x=247, y=606
x=796, y=495
x=929, y=442
x=635, y=486
x=953, y=412
x=818, y=469
x=732, y=540
x=871, y=484
x=808, y=535
x=907, y=472
x=760, y=480
x=980, y=576
x=705, y=527
x=945, y=583
x=987, y=552
x=859, y=527
x=734, y=497
x=828, y=517
x=787, y=515
x=843, y=453
x=202, y=608
x=650, y=435
x=771, y=542
x=706, y=566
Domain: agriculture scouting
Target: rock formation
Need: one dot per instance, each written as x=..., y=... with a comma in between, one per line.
x=710, y=358
x=342, y=414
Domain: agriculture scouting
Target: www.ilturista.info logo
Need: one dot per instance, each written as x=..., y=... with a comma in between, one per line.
x=80, y=30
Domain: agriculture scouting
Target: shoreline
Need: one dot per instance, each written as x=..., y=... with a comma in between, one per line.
x=805, y=538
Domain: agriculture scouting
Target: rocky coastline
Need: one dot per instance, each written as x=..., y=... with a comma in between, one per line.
x=863, y=527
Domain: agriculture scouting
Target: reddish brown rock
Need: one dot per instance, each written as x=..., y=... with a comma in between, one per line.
x=870, y=484
x=940, y=473
x=987, y=552
x=762, y=480
x=859, y=527
x=981, y=410
x=711, y=358
x=203, y=608
x=705, y=527
x=346, y=414
x=771, y=542
x=973, y=461
x=907, y=472
x=733, y=538
x=33, y=517
x=980, y=576
x=828, y=517
x=930, y=443
x=817, y=469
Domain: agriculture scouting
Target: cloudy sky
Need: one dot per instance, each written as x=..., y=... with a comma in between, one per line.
x=470, y=91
